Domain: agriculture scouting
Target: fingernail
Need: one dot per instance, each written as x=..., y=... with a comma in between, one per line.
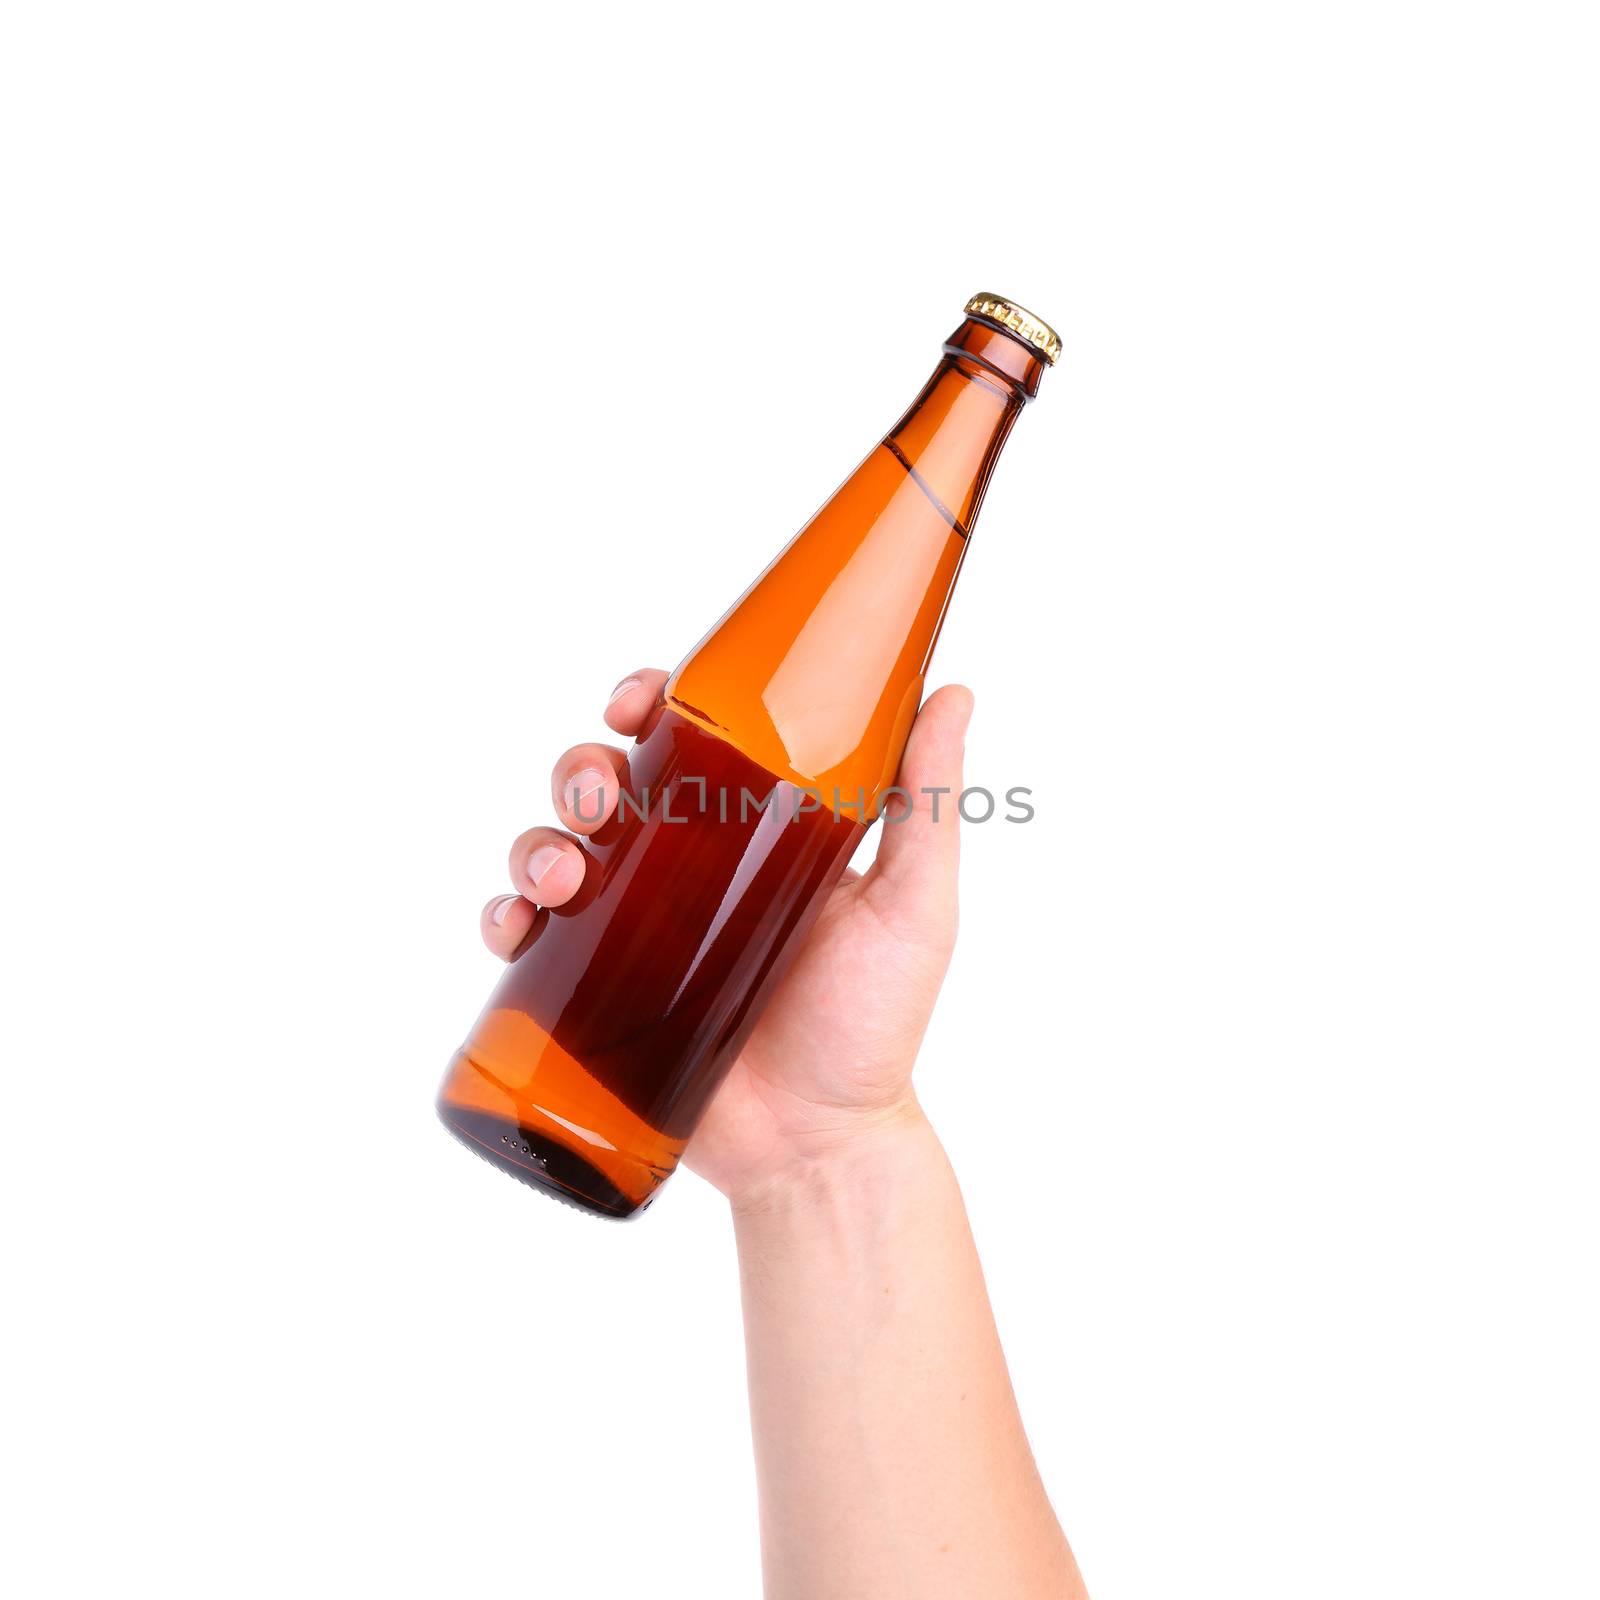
x=502, y=909
x=621, y=689
x=541, y=861
x=583, y=786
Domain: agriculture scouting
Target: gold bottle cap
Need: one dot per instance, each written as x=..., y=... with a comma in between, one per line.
x=1027, y=327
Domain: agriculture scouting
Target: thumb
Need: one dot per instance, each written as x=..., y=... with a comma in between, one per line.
x=921, y=843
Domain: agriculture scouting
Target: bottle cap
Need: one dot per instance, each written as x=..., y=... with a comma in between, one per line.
x=1028, y=328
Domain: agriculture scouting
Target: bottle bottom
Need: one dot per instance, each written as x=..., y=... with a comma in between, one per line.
x=519, y=1100
x=541, y=1162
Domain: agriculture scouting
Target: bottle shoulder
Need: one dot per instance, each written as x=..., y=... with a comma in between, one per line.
x=816, y=672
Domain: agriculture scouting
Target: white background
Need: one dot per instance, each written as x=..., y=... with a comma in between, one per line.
x=381, y=382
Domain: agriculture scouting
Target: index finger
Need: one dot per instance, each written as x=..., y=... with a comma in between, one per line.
x=632, y=699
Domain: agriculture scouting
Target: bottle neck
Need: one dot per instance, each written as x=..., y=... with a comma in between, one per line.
x=952, y=436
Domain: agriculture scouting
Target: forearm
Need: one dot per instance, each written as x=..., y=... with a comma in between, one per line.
x=889, y=1452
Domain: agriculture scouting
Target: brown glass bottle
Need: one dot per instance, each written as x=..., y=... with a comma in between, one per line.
x=742, y=801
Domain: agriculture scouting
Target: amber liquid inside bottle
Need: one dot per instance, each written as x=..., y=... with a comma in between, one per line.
x=742, y=802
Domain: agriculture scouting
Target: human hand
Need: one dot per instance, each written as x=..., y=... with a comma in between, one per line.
x=828, y=1066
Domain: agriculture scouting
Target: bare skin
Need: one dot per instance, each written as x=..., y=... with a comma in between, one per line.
x=890, y=1455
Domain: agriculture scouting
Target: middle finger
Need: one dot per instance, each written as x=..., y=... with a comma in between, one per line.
x=585, y=785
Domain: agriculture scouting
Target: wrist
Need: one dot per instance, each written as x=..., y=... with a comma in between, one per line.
x=873, y=1153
